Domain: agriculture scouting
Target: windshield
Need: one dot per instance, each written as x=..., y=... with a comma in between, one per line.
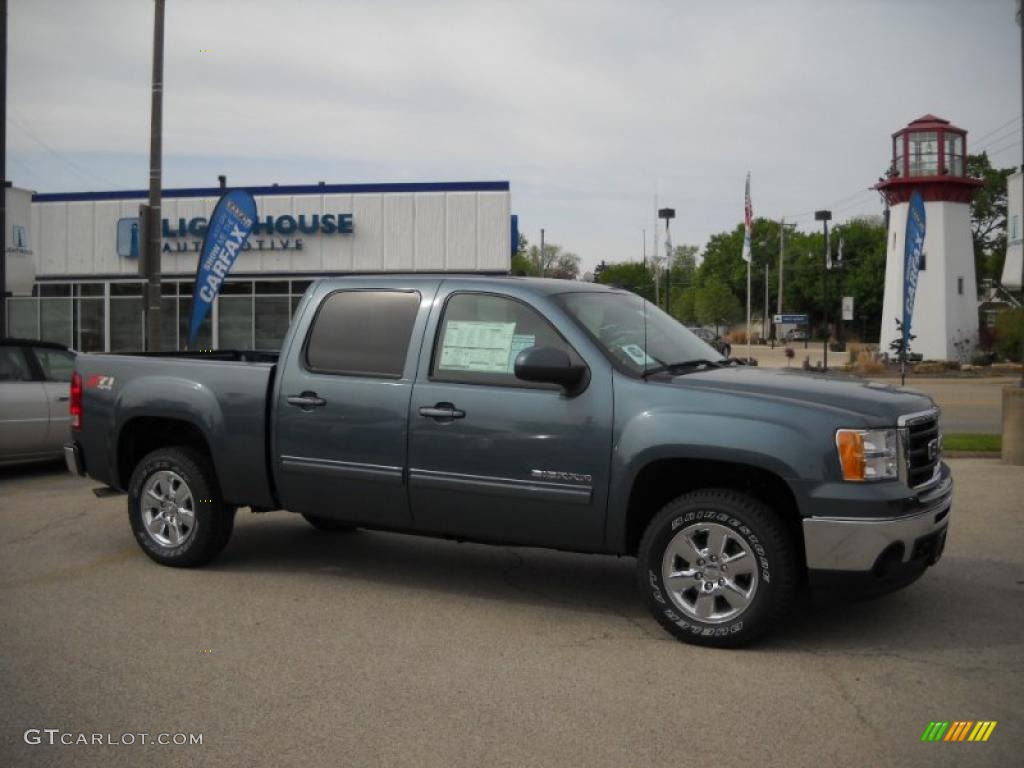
x=616, y=322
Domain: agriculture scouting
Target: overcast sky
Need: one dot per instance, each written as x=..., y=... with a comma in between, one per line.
x=589, y=109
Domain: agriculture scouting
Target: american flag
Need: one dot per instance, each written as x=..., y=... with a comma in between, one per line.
x=748, y=220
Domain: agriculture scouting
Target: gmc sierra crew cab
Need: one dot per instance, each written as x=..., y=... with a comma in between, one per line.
x=531, y=412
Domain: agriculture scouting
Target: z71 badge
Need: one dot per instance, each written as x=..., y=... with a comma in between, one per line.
x=100, y=382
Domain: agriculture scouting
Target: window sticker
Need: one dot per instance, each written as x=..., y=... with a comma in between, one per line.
x=637, y=354
x=477, y=346
x=520, y=342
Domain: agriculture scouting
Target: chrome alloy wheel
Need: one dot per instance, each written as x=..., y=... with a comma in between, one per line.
x=710, y=572
x=168, y=509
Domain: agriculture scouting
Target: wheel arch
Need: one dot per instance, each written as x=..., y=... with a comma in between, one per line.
x=142, y=434
x=661, y=480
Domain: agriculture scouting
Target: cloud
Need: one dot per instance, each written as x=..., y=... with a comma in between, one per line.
x=588, y=108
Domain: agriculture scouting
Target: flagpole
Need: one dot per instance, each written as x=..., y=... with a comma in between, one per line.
x=748, y=308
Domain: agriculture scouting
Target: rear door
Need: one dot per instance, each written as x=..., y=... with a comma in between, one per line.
x=340, y=442
x=56, y=367
x=24, y=412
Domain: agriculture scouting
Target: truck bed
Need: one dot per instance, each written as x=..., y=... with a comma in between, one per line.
x=224, y=395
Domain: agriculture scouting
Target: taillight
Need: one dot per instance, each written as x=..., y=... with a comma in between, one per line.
x=76, y=401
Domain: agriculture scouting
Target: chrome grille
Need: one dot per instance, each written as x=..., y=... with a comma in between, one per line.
x=922, y=447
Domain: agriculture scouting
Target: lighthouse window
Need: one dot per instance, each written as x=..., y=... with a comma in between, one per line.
x=955, y=154
x=924, y=154
x=960, y=286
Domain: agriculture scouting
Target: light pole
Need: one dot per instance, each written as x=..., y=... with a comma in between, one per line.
x=151, y=225
x=824, y=217
x=667, y=214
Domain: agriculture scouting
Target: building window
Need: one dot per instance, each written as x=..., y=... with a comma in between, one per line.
x=924, y=153
x=897, y=153
x=960, y=286
x=23, y=317
x=1014, y=228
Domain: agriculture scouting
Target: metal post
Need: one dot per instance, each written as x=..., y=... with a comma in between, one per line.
x=764, y=323
x=151, y=262
x=3, y=168
x=1020, y=23
x=542, y=268
x=782, y=248
x=824, y=217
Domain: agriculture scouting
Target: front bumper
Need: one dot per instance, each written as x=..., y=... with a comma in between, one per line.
x=884, y=548
x=73, y=459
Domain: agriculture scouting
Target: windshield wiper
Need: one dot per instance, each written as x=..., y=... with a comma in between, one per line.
x=699, y=364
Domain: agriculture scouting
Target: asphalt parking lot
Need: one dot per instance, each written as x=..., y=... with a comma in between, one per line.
x=369, y=649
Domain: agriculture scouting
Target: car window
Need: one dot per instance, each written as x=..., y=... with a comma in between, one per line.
x=362, y=333
x=480, y=336
x=13, y=365
x=57, y=364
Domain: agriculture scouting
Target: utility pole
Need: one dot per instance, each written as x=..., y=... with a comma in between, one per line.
x=3, y=168
x=782, y=250
x=151, y=262
x=824, y=217
x=543, y=268
x=764, y=322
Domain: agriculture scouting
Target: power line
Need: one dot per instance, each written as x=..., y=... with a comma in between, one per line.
x=75, y=166
x=997, y=130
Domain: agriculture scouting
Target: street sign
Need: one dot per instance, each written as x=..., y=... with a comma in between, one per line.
x=847, y=307
x=791, y=319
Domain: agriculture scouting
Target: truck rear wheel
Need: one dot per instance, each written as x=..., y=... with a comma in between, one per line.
x=717, y=568
x=175, y=508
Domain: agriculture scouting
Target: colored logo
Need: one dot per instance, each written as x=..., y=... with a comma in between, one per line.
x=959, y=730
x=128, y=238
x=20, y=239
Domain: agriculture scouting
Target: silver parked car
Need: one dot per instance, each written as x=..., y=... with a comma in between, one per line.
x=35, y=388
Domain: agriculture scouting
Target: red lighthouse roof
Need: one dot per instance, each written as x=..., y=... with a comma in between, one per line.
x=929, y=155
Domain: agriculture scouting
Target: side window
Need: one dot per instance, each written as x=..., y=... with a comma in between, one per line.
x=481, y=335
x=362, y=333
x=13, y=365
x=57, y=365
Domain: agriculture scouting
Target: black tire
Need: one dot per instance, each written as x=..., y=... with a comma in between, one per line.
x=746, y=524
x=328, y=524
x=214, y=520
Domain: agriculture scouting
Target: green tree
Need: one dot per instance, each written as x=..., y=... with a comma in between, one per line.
x=988, y=216
x=631, y=275
x=716, y=304
x=521, y=263
x=554, y=262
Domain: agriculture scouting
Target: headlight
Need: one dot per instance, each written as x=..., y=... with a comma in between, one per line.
x=867, y=454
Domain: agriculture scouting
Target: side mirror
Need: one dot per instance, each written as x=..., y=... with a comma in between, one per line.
x=548, y=365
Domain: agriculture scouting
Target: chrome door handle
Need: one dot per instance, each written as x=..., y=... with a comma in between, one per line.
x=306, y=401
x=443, y=411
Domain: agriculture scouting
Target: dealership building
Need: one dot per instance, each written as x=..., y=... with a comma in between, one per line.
x=74, y=274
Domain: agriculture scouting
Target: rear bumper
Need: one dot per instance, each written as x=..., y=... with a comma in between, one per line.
x=881, y=550
x=73, y=459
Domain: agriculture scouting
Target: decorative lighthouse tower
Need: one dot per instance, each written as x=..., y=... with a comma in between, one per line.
x=930, y=156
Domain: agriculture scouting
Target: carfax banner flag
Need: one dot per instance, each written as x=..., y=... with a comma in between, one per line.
x=912, y=250
x=230, y=225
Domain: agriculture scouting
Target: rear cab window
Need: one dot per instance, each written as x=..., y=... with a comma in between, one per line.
x=362, y=333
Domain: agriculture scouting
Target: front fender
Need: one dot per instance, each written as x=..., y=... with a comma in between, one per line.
x=781, y=447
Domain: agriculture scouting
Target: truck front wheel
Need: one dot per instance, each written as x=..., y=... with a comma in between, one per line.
x=717, y=568
x=175, y=509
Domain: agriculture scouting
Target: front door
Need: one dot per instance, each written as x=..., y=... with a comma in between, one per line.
x=24, y=411
x=499, y=459
x=343, y=403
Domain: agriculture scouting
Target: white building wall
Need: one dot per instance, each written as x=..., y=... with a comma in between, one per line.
x=942, y=314
x=1014, y=232
x=392, y=231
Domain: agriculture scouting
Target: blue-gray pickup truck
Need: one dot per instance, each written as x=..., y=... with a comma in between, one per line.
x=531, y=412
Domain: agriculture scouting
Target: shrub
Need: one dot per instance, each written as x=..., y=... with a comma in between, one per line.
x=1010, y=333
x=867, y=362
